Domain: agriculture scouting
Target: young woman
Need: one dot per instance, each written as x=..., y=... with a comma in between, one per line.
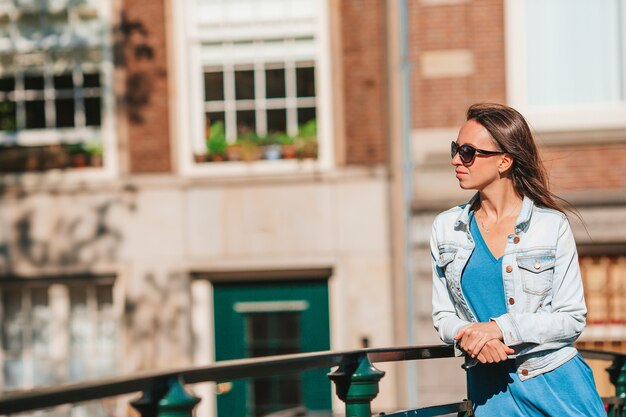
x=507, y=289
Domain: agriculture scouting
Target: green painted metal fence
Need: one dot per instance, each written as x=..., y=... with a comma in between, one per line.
x=355, y=378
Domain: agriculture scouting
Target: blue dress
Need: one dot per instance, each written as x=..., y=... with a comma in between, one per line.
x=495, y=389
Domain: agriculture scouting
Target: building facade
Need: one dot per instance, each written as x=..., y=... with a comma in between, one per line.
x=200, y=180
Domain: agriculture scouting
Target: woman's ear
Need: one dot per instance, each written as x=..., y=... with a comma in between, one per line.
x=506, y=162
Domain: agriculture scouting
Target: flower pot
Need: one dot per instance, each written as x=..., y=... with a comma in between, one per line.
x=271, y=152
x=289, y=151
x=233, y=152
x=79, y=160
x=217, y=157
x=250, y=152
x=96, y=160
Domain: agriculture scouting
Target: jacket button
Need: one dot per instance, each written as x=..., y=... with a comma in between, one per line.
x=525, y=372
x=509, y=269
x=537, y=265
x=511, y=300
x=516, y=240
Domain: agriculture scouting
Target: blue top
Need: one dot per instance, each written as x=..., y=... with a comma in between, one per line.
x=482, y=279
x=495, y=389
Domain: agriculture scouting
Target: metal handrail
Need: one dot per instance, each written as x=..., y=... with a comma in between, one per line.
x=347, y=361
x=20, y=401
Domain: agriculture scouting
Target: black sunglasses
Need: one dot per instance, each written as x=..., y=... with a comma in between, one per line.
x=467, y=153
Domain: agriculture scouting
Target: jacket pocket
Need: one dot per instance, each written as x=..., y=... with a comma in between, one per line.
x=445, y=262
x=536, y=271
x=445, y=258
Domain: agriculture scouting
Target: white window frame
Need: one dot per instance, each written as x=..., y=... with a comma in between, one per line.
x=79, y=134
x=189, y=114
x=260, y=104
x=549, y=118
x=59, y=302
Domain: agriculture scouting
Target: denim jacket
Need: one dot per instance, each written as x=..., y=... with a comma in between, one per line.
x=542, y=286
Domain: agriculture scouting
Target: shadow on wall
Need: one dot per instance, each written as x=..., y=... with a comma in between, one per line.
x=159, y=317
x=133, y=52
x=79, y=237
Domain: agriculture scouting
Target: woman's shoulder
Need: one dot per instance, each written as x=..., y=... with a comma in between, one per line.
x=550, y=214
x=450, y=215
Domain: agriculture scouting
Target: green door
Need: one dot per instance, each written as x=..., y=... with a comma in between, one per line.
x=261, y=319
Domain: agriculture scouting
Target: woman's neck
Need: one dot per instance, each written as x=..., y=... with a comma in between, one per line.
x=499, y=202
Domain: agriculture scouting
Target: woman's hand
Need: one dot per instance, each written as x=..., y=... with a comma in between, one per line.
x=473, y=337
x=494, y=351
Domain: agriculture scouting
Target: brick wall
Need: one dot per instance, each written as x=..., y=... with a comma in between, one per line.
x=475, y=28
x=140, y=42
x=364, y=81
x=586, y=167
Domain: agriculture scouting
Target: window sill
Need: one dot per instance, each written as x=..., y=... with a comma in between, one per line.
x=254, y=168
x=57, y=177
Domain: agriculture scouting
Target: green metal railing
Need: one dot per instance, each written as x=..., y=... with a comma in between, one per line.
x=356, y=383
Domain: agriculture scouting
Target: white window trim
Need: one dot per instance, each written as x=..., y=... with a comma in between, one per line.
x=189, y=115
x=59, y=304
x=107, y=132
x=548, y=118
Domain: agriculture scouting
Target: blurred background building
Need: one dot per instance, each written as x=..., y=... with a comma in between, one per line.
x=200, y=180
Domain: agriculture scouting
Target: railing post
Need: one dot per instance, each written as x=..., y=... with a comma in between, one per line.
x=177, y=402
x=149, y=401
x=617, y=376
x=166, y=398
x=356, y=384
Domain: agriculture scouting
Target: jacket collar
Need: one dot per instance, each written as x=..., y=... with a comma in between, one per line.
x=521, y=224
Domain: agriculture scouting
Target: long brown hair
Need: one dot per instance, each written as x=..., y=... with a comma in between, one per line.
x=511, y=132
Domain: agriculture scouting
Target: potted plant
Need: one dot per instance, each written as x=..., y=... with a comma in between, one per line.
x=288, y=146
x=78, y=155
x=233, y=152
x=250, y=147
x=95, y=151
x=307, y=140
x=216, y=142
x=271, y=147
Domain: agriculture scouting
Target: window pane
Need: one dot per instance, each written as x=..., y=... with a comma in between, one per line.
x=274, y=334
x=13, y=323
x=277, y=120
x=91, y=80
x=213, y=117
x=306, y=114
x=258, y=327
x=104, y=295
x=44, y=372
x=246, y=122
x=40, y=321
x=305, y=80
x=105, y=332
x=7, y=116
x=13, y=373
x=33, y=82
x=275, y=83
x=93, y=111
x=214, y=86
x=244, y=85
x=574, y=52
x=35, y=114
x=64, y=112
x=290, y=392
x=63, y=81
x=7, y=84
x=79, y=319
